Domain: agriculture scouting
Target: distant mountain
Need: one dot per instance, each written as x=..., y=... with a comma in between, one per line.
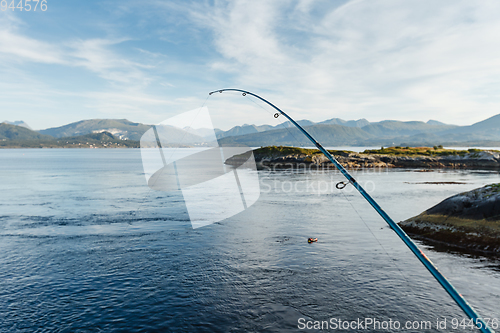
x=350, y=123
x=393, y=128
x=249, y=129
x=479, y=133
x=243, y=130
x=238, y=130
x=120, y=128
x=18, y=123
x=487, y=128
x=492, y=123
x=12, y=136
x=328, y=135
x=303, y=123
x=14, y=132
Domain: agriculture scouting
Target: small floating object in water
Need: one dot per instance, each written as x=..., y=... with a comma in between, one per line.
x=312, y=240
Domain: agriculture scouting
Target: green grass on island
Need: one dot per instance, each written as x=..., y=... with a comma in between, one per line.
x=494, y=187
x=422, y=151
x=486, y=225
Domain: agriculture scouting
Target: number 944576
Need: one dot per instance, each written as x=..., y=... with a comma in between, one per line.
x=26, y=5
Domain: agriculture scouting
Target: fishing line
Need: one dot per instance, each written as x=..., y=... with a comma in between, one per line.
x=392, y=260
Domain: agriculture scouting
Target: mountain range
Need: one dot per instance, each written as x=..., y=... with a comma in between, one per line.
x=331, y=132
x=120, y=128
x=338, y=132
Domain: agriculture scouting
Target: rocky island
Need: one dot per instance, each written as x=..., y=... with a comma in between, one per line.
x=394, y=157
x=469, y=220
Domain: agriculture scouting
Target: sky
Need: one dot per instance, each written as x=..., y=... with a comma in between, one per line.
x=150, y=60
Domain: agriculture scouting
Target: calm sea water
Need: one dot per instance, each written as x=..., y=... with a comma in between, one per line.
x=86, y=246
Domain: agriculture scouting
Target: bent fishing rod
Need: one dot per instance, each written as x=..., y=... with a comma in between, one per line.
x=457, y=297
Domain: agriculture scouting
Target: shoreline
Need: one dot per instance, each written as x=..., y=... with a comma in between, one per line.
x=454, y=247
x=474, y=239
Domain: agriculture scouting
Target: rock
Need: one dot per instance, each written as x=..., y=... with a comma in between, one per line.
x=469, y=220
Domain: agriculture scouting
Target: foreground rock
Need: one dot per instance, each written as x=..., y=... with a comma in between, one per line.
x=395, y=157
x=469, y=220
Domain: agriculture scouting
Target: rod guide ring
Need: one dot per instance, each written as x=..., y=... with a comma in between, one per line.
x=341, y=185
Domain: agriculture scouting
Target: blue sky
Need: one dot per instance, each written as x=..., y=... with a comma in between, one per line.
x=150, y=60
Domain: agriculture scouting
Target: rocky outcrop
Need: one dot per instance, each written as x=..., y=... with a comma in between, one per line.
x=309, y=158
x=469, y=220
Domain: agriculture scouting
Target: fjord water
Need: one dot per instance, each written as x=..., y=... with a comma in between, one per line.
x=86, y=246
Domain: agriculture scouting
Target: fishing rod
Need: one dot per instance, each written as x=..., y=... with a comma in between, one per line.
x=457, y=297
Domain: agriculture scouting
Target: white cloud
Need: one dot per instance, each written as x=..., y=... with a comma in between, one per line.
x=17, y=47
x=373, y=59
x=96, y=55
